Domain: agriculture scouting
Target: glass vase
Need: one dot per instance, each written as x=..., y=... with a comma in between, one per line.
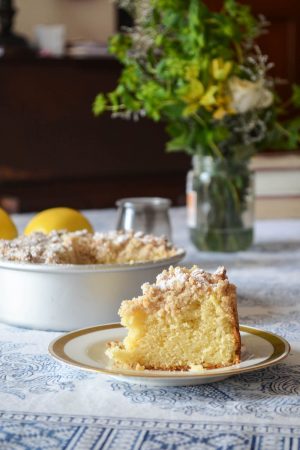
x=220, y=204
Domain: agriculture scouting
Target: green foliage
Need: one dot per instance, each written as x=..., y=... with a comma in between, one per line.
x=99, y=104
x=185, y=64
x=296, y=96
x=244, y=21
x=285, y=136
x=119, y=45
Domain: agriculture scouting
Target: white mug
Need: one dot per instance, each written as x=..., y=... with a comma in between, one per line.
x=51, y=39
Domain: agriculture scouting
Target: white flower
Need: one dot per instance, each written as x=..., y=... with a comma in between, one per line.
x=248, y=95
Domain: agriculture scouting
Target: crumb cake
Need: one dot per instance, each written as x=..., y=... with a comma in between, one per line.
x=186, y=320
x=81, y=247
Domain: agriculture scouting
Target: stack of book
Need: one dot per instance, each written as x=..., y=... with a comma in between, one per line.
x=277, y=185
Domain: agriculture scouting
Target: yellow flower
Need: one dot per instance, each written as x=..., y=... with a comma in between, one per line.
x=196, y=96
x=220, y=69
x=194, y=92
x=220, y=113
x=192, y=96
x=208, y=99
x=224, y=108
x=190, y=109
x=192, y=71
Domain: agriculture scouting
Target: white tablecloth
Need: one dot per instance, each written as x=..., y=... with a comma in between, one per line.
x=47, y=405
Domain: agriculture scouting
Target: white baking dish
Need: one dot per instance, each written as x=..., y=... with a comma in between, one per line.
x=65, y=297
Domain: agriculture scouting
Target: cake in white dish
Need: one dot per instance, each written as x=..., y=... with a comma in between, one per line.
x=81, y=247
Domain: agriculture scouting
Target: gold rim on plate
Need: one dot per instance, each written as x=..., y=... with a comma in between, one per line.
x=281, y=349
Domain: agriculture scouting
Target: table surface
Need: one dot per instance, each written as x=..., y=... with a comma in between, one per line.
x=48, y=405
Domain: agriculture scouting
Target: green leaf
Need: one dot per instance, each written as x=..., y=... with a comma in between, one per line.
x=230, y=6
x=99, y=104
x=177, y=144
x=179, y=131
x=293, y=128
x=119, y=46
x=296, y=95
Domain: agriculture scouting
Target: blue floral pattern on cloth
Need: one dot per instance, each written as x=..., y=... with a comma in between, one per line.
x=46, y=405
x=23, y=373
x=285, y=323
x=21, y=431
x=265, y=394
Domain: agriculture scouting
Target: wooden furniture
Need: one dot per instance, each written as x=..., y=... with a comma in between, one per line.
x=55, y=152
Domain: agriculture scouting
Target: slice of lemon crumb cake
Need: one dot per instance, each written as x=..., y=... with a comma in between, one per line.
x=186, y=320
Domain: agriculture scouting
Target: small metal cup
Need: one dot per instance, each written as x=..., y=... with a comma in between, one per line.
x=147, y=214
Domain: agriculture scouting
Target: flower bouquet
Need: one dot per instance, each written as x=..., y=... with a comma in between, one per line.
x=201, y=72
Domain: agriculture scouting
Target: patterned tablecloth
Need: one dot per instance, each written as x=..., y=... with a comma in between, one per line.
x=47, y=405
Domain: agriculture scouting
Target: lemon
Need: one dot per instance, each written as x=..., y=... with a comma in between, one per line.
x=8, y=229
x=58, y=219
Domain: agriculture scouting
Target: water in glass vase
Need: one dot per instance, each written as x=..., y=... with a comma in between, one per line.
x=220, y=204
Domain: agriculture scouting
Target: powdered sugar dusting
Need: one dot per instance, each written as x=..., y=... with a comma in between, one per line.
x=178, y=277
x=167, y=281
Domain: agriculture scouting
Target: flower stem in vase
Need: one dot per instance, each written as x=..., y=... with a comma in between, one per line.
x=223, y=209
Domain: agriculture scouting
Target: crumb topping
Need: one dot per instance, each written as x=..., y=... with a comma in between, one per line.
x=177, y=277
x=176, y=287
x=82, y=247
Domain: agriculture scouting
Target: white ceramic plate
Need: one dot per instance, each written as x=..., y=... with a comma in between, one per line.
x=85, y=349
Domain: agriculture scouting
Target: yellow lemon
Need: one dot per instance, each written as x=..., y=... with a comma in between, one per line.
x=8, y=229
x=58, y=219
